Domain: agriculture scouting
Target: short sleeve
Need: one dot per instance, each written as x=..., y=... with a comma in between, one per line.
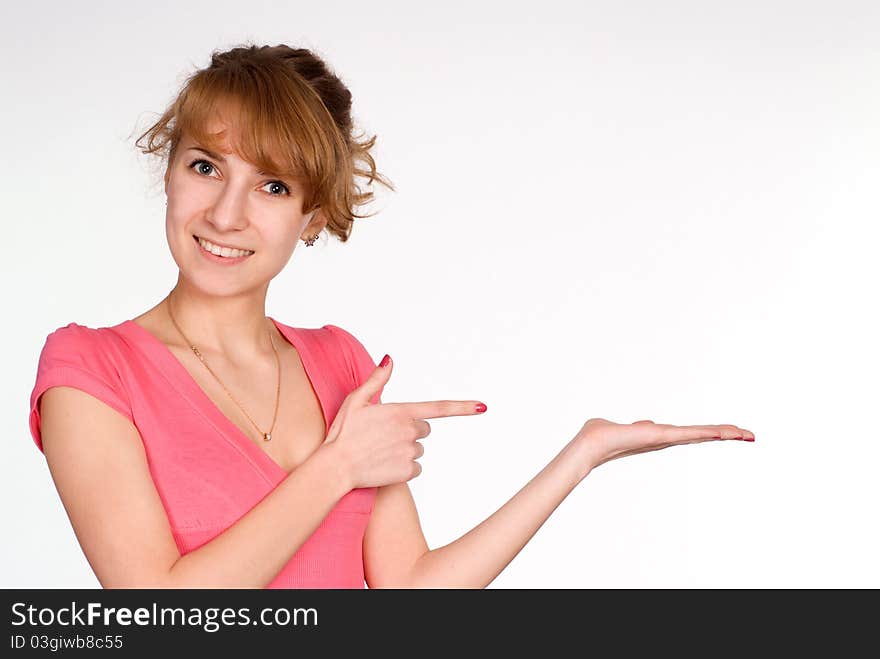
x=76, y=356
x=361, y=362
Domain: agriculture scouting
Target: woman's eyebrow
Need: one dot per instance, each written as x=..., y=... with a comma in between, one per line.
x=217, y=156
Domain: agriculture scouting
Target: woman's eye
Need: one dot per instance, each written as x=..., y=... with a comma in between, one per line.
x=275, y=186
x=201, y=163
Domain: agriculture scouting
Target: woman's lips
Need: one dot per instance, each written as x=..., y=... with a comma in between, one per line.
x=222, y=260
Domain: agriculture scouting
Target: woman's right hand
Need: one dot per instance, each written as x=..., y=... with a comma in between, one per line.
x=379, y=443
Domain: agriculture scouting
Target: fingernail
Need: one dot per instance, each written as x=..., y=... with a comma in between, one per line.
x=749, y=439
x=480, y=407
x=385, y=361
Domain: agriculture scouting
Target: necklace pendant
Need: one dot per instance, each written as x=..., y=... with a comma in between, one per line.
x=267, y=436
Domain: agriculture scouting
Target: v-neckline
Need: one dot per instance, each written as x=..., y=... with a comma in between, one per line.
x=186, y=384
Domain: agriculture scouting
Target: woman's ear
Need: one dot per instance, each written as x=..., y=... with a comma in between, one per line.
x=317, y=221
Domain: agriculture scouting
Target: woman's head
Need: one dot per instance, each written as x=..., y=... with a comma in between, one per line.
x=259, y=151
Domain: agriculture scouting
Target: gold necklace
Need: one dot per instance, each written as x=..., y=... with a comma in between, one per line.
x=265, y=435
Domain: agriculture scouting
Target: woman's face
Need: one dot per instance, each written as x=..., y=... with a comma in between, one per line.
x=226, y=201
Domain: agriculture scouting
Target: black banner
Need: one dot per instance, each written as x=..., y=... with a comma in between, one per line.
x=134, y=622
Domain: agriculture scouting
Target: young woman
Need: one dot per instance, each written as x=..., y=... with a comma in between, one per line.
x=206, y=444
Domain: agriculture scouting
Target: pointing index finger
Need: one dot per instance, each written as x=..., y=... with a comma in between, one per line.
x=434, y=409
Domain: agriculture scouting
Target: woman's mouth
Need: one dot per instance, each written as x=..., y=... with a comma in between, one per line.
x=217, y=254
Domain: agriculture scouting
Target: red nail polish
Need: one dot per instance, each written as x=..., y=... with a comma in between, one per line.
x=385, y=360
x=480, y=407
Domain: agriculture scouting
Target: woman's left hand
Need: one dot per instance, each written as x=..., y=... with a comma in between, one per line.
x=604, y=440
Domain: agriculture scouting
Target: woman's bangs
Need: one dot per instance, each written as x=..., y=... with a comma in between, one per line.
x=225, y=124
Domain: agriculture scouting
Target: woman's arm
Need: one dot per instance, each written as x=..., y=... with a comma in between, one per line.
x=476, y=558
x=251, y=552
x=97, y=460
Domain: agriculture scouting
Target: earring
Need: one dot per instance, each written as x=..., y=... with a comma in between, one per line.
x=310, y=241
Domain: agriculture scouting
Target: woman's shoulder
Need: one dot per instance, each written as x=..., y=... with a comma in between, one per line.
x=336, y=337
x=82, y=357
x=326, y=335
x=72, y=338
x=343, y=335
x=77, y=342
x=98, y=351
x=341, y=343
x=357, y=355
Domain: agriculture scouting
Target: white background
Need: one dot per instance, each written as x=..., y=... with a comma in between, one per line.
x=631, y=210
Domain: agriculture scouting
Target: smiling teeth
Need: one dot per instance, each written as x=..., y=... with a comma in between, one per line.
x=228, y=252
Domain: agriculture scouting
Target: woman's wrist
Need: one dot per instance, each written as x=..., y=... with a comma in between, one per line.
x=582, y=456
x=335, y=462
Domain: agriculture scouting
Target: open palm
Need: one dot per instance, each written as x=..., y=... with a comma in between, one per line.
x=606, y=440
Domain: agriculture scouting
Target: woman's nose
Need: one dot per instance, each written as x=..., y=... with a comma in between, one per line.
x=229, y=208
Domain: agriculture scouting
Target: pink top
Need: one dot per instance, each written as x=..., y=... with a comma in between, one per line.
x=206, y=471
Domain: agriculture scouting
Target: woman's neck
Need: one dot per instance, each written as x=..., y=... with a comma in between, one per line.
x=236, y=328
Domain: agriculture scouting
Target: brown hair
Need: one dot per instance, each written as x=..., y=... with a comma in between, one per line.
x=293, y=118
